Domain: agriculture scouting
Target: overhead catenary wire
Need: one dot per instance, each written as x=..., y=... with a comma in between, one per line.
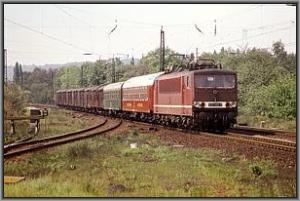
x=45, y=34
x=158, y=25
x=143, y=25
x=72, y=16
x=249, y=37
x=79, y=20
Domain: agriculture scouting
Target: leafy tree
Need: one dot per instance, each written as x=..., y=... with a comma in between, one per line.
x=15, y=99
x=132, y=61
x=152, y=59
x=21, y=75
x=275, y=100
x=68, y=77
x=40, y=83
x=288, y=61
x=279, y=52
x=266, y=81
x=17, y=75
x=99, y=75
x=94, y=73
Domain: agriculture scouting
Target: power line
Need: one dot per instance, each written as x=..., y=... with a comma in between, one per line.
x=44, y=34
x=78, y=19
x=72, y=16
x=234, y=14
x=253, y=36
x=108, y=17
x=40, y=52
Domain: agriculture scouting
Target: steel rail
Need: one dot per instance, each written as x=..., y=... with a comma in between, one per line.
x=267, y=142
x=27, y=143
x=266, y=139
x=276, y=144
x=235, y=133
x=255, y=131
x=56, y=142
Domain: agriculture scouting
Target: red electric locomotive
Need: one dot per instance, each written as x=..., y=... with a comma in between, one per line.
x=198, y=95
x=205, y=98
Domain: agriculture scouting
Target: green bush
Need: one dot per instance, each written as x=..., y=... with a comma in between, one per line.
x=275, y=100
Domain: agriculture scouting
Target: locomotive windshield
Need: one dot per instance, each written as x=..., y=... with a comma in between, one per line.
x=214, y=81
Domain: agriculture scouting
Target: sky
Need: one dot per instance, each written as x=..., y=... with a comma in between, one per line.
x=60, y=33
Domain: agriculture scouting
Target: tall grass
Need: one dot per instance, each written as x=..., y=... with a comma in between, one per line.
x=107, y=166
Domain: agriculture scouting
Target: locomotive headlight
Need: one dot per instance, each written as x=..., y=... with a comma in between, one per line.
x=199, y=104
x=231, y=104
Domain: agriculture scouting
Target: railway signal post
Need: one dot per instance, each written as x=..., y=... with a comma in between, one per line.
x=162, y=49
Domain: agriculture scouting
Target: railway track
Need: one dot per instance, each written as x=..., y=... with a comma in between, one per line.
x=263, y=141
x=23, y=143
x=19, y=141
x=259, y=135
x=259, y=140
x=21, y=148
x=244, y=134
x=259, y=131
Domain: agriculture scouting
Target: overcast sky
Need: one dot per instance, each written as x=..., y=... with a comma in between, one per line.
x=49, y=33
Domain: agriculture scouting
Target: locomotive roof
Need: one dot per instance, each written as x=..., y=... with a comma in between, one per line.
x=211, y=70
x=141, y=81
x=186, y=72
x=173, y=74
x=113, y=86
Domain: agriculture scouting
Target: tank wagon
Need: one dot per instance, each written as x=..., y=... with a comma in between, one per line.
x=198, y=97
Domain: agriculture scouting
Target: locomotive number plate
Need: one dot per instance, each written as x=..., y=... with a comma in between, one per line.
x=215, y=104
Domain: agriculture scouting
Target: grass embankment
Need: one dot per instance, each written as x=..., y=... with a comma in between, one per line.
x=106, y=166
x=58, y=122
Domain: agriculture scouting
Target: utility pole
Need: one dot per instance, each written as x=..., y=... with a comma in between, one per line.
x=113, y=70
x=53, y=94
x=81, y=76
x=162, y=49
x=5, y=66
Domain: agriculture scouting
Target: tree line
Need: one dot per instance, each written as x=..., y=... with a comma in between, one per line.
x=266, y=79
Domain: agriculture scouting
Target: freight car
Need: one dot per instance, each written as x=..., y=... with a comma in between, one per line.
x=112, y=98
x=201, y=97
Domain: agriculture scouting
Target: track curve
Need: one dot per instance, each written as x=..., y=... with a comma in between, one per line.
x=58, y=140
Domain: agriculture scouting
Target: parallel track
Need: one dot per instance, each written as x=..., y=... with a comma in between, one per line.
x=255, y=140
x=258, y=131
x=263, y=141
x=18, y=141
x=27, y=143
x=242, y=134
x=56, y=140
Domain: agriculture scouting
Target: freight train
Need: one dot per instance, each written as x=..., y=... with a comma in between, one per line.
x=202, y=96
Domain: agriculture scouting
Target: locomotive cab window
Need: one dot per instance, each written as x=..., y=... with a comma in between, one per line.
x=214, y=81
